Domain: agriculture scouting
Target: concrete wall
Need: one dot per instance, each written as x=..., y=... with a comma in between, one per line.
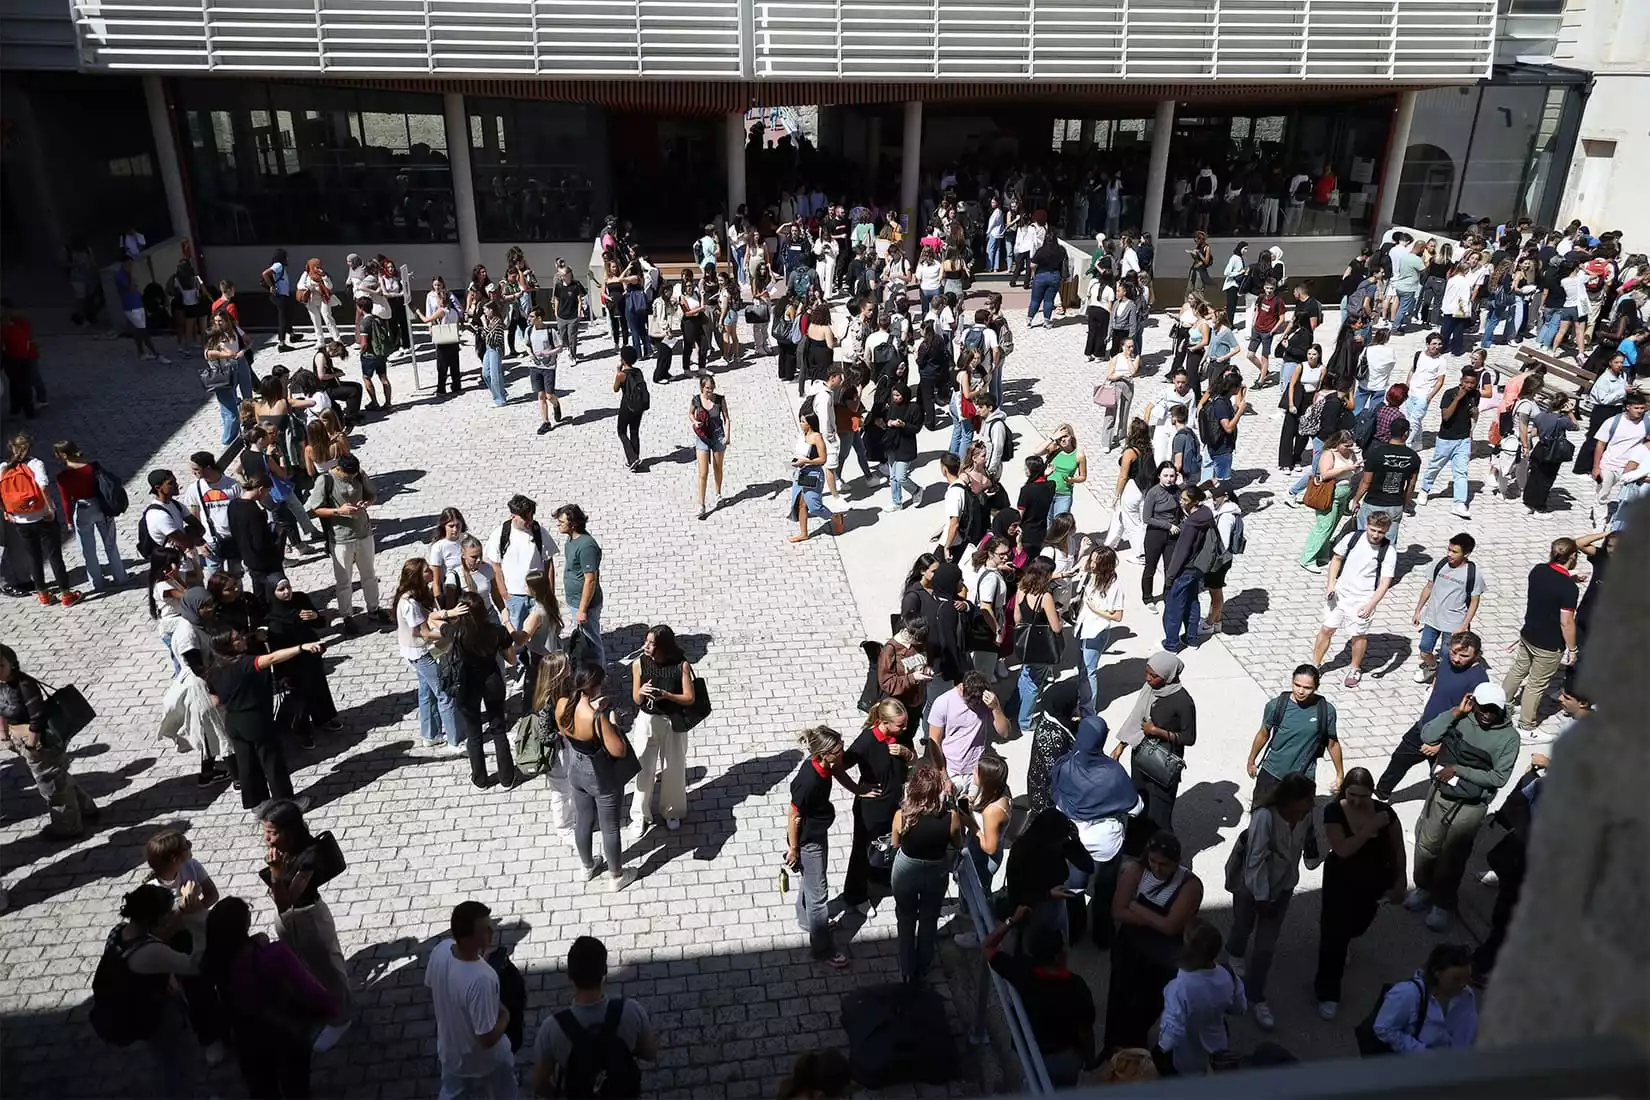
x=1605, y=188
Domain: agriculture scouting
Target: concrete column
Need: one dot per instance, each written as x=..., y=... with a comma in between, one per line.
x=737, y=135
x=464, y=186
x=166, y=157
x=910, y=172
x=1393, y=173
x=1157, y=168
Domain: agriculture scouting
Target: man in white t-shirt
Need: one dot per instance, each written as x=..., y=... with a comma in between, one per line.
x=1426, y=381
x=520, y=546
x=470, y=1021
x=953, y=538
x=208, y=498
x=167, y=520
x=1612, y=443
x=1361, y=572
x=1159, y=414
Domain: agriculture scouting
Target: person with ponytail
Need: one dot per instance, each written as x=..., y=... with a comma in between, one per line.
x=883, y=752
x=807, y=833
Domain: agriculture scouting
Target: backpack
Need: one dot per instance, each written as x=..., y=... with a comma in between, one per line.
x=1312, y=419
x=800, y=280
x=1274, y=718
x=886, y=355
x=974, y=338
x=125, y=1006
x=21, y=494
x=1006, y=451
x=110, y=492
x=635, y=391
x=504, y=537
x=599, y=1065
x=1370, y=1044
x=1239, y=542
x=146, y=544
x=1551, y=448
x=1363, y=428
x=1209, y=427
x=1005, y=336
x=1302, y=191
x=1380, y=555
x=699, y=251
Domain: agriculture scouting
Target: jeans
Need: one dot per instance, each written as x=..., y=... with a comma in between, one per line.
x=962, y=432
x=1180, y=610
x=1088, y=687
x=1454, y=332
x=1045, y=295
x=1415, y=411
x=229, y=406
x=592, y=808
x=356, y=554
x=1493, y=317
x=637, y=320
x=1305, y=479
x=996, y=255
x=435, y=706
x=899, y=476
x=1033, y=678
x=44, y=543
x=1220, y=466
x=1430, y=637
x=90, y=524
x=492, y=373
x=569, y=333
x=1365, y=399
x=474, y=731
x=1456, y=452
x=1406, y=304
x=1060, y=505
x=812, y=912
x=919, y=887
x=1247, y=920
x=498, y=1084
x=1550, y=320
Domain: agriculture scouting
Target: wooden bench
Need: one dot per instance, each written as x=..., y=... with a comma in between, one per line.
x=1555, y=367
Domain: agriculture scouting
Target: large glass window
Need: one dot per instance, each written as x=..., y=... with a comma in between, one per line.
x=281, y=164
x=540, y=168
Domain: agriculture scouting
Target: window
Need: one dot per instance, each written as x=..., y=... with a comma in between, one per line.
x=539, y=168
x=281, y=164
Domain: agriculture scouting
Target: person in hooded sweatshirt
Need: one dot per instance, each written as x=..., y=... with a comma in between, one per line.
x=1195, y=554
x=1096, y=794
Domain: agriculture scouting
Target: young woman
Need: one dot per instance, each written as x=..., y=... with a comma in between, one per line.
x=315, y=292
x=613, y=290
x=148, y=918
x=994, y=805
x=28, y=506
x=712, y=429
x=1197, y=1001
x=1160, y=509
x=984, y=579
x=1163, y=711
x=1338, y=464
x=817, y=350
x=1156, y=899
x=595, y=774
x=1097, y=311
x=1101, y=593
x=492, y=336
x=83, y=507
x=541, y=629
x=552, y=686
x=728, y=307
x=189, y=303
x=1298, y=395
x=883, y=753
x=470, y=577
x=661, y=685
x=1067, y=466
x=441, y=307
x=327, y=366
x=808, y=479
x=1262, y=873
x=232, y=609
x=272, y=1005
x=324, y=444
x=1435, y=1010
x=1136, y=471
x=24, y=728
x=1365, y=863
x=244, y=686
x=923, y=835
x=445, y=552
x=689, y=296
x=1124, y=309
x=297, y=864
x=418, y=630
x=479, y=645
x=1542, y=471
x=291, y=619
x=275, y=417
x=807, y=832
x=1121, y=371
x=1034, y=606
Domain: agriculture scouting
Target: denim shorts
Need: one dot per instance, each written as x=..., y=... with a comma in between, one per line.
x=716, y=444
x=373, y=364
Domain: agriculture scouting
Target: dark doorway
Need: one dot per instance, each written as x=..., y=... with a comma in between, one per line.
x=669, y=177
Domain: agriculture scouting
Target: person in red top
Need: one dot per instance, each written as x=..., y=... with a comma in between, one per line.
x=807, y=829
x=225, y=302
x=1324, y=189
x=1264, y=319
x=88, y=516
x=20, y=357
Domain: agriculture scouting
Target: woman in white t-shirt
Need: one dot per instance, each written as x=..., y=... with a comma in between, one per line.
x=930, y=275
x=1101, y=593
x=417, y=632
x=1065, y=549
x=1379, y=361
x=29, y=508
x=471, y=576
x=445, y=551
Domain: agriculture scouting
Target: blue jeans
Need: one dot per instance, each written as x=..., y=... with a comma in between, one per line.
x=1364, y=399
x=1454, y=331
x=1415, y=411
x=1456, y=452
x=926, y=296
x=90, y=524
x=738, y=267
x=1060, y=506
x=492, y=373
x=498, y=1084
x=962, y=432
x=1181, y=613
x=1220, y=466
x=1033, y=678
x=1301, y=482
x=1045, y=293
x=228, y=413
x=1430, y=637
x=919, y=887
x=1088, y=688
x=637, y=320
x=899, y=476
x=1406, y=303
x=435, y=707
x=996, y=254
x=1493, y=317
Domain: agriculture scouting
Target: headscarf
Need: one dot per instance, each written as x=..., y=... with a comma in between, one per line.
x=281, y=616
x=1088, y=785
x=1168, y=667
x=1002, y=521
x=318, y=277
x=945, y=637
x=192, y=603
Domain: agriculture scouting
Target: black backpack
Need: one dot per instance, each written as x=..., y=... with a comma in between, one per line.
x=1363, y=428
x=125, y=1006
x=504, y=537
x=1210, y=429
x=635, y=391
x=886, y=355
x=1371, y=1045
x=111, y=491
x=146, y=544
x=600, y=1066
x=451, y=671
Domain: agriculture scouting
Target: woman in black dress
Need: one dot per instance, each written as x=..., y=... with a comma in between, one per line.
x=244, y=687
x=1365, y=862
x=308, y=703
x=883, y=753
x=1156, y=898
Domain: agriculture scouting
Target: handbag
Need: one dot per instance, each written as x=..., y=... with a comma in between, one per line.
x=67, y=712
x=1153, y=760
x=757, y=312
x=444, y=333
x=581, y=648
x=880, y=852
x=217, y=374
x=695, y=712
x=616, y=772
x=1105, y=395
x=1177, y=331
x=1319, y=495
x=1037, y=643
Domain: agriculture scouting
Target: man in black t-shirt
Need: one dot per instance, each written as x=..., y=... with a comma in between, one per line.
x=1059, y=1005
x=1548, y=640
x=1388, y=484
x=568, y=294
x=1459, y=406
x=1300, y=332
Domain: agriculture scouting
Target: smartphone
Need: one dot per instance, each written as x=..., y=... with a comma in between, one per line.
x=914, y=662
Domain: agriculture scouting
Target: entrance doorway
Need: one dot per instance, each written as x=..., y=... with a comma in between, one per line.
x=669, y=178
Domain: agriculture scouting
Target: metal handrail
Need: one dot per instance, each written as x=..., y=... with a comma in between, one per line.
x=1032, y=1070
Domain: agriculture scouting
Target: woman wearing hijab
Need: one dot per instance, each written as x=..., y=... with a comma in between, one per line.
x=1095, y=793
x=308, y=701
x=1005, y=525
x=1165, y=716
x=944, y=607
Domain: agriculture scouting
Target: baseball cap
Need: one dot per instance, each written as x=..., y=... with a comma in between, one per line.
x=157, y=478
x=1489, y=695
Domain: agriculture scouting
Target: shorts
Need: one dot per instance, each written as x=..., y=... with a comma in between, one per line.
x=138, y=319
x=1215, y=579
x=1261, y=342
x=373, y=364
x=542, y=379
x=963, y=785
x=716, y=444
x=1431, y=636
x=1343, y=616
x=200, y=309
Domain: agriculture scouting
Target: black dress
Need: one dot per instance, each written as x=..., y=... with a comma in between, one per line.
x=1143, y=962
x=1352, y=890
x=1176, y=712
x=873, y=817
x=308, y=698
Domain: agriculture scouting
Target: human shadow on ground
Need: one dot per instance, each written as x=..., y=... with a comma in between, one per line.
x=388, y=534
x=1200, y=813
x=677, y=457
x=1386, y=653
x=589, y=416
x=1239, y=609
x=387, y=483
x=710, y=823
x=1020, y=397
x=756, y=490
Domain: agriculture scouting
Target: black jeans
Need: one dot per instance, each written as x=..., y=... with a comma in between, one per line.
x=283, y=317
x=273, y=1068
x=695, y=337
x=1021, y=268
x=630, y=435
x=1404, y=757
x=261, y=761
x=467, y=709
x=347, y=395
x=45, y=543
x=446, y=367
x=1343, y=918
x=21, y=383
x=1157, y=549
x=1099, y=322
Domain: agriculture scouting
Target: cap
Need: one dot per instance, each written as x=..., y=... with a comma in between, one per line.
x=157, y=478
x=1489, y=695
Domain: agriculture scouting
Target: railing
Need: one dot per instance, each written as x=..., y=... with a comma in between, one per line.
x=978, y=906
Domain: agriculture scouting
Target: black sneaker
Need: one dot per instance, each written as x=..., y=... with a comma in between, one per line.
x=306, y=738
x=483, y=784
x=544, y=428
x=212, y=778
x=349, y=628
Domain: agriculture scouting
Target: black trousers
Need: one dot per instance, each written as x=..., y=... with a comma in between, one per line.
x=1157, y=549
x=1194, y=371
x=260, y=758
x=932, y=394
x=468, y=712
x=1343, y=918
x=45, y=545
x=309, y=695
x=273, y=1067
x=1538, y=484
x=630, y=435
x=1404, y=757
x=283, y=317
x=347, y=396
x=695, y=337
x=871, y=820
x=787, y=361
x=1508, y=860
x=1099, y=325
x=21, y=384
x=446, y=367
x=1159, y=805
x=1290, y=441
x=1234, y=305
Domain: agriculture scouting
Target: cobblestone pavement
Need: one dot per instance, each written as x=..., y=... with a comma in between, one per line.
x=704, y=938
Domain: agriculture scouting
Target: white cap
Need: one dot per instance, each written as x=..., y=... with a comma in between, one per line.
x=1490, y=695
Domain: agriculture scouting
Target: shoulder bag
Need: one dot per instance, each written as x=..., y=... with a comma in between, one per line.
x=615, y=772
x=1319, y=495
x=443, y=333
x=1035, y=642
x=695, y=712
x=1154, y=760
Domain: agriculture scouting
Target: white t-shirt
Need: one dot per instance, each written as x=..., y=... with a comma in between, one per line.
x=446, y=553
x=1639, y=458
x=1428, y=369
x=1130, y=262
x=1360, y=574
x=190, y=870
x=1381, y=360
x=409, y=616
x=478, y=581
x=990, y=590
x=38, y=469
x=929, y=274
x=164, y=518
x=521, y=557
x=465, y=995
x=1164, y=403
x=211, y=500
x=956, y=501
x=1090, y=624
x=1617, y=443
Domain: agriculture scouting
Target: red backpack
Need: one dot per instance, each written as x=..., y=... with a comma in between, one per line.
x=21, y=494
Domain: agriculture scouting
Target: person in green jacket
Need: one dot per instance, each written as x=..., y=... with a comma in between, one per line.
x=1475, y=747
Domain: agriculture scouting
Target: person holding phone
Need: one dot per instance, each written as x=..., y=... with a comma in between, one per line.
x=807, y=831
x=243, y=685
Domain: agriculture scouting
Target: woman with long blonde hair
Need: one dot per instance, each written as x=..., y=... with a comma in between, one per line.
x=551, y=687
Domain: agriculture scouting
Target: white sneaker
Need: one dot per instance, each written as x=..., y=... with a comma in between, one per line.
x=330, y=1035
x=1463, y=511
x=1208, y=627
x=1422, y=496
x=673, y=823
x=614, y=885
x=1290, y=500
x=892, y=507
x=1263, y=1016
x=1489, y=878
x=1328, y=1009
x=1422, y=674
x=1534, y=737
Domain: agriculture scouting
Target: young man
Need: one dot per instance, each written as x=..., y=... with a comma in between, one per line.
x=1159, y=414
x=1426, y=378
x=520, y=546
x=1548, y=639
x=953, y=538
x=568, y=294
x=1613, y=442
x=1452, y=679
x=1448, y=602
x=208, y=498
x=576, y=1045
x=1196, y=553
x=546, y=353
x=470, y=1020
x=1475, y=746
x=166, y=521
x=1453, y=444
x=1295, y=729
x=376, y=337
x=1407, y=271
x=1187, y=452
x=581, y=575
x=1360, y=574
x=340, y=499
x=962, y=723
x=251, y=525
x=1264, y=319
x=1388, y=483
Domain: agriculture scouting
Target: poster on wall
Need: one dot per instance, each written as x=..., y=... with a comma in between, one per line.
x=1363, y=170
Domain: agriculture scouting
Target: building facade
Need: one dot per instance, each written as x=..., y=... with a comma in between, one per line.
x=1605, y=184
x=443, y=131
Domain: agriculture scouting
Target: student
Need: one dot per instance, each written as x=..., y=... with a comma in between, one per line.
x=1448, y=602
x=470, y=1020
x=520, y=546
x=1296, y=729
x=1451, y=680
x=1197, y=1001
x=1262, y=874
x=341, y=500
x=1453, y=443
x=27, y=492
x=1059, y=1004
x=1361, y=571
x=1436, y=1009
x=807, y=831
x=547, y=353
x=634, y=400
x=575, y=1048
